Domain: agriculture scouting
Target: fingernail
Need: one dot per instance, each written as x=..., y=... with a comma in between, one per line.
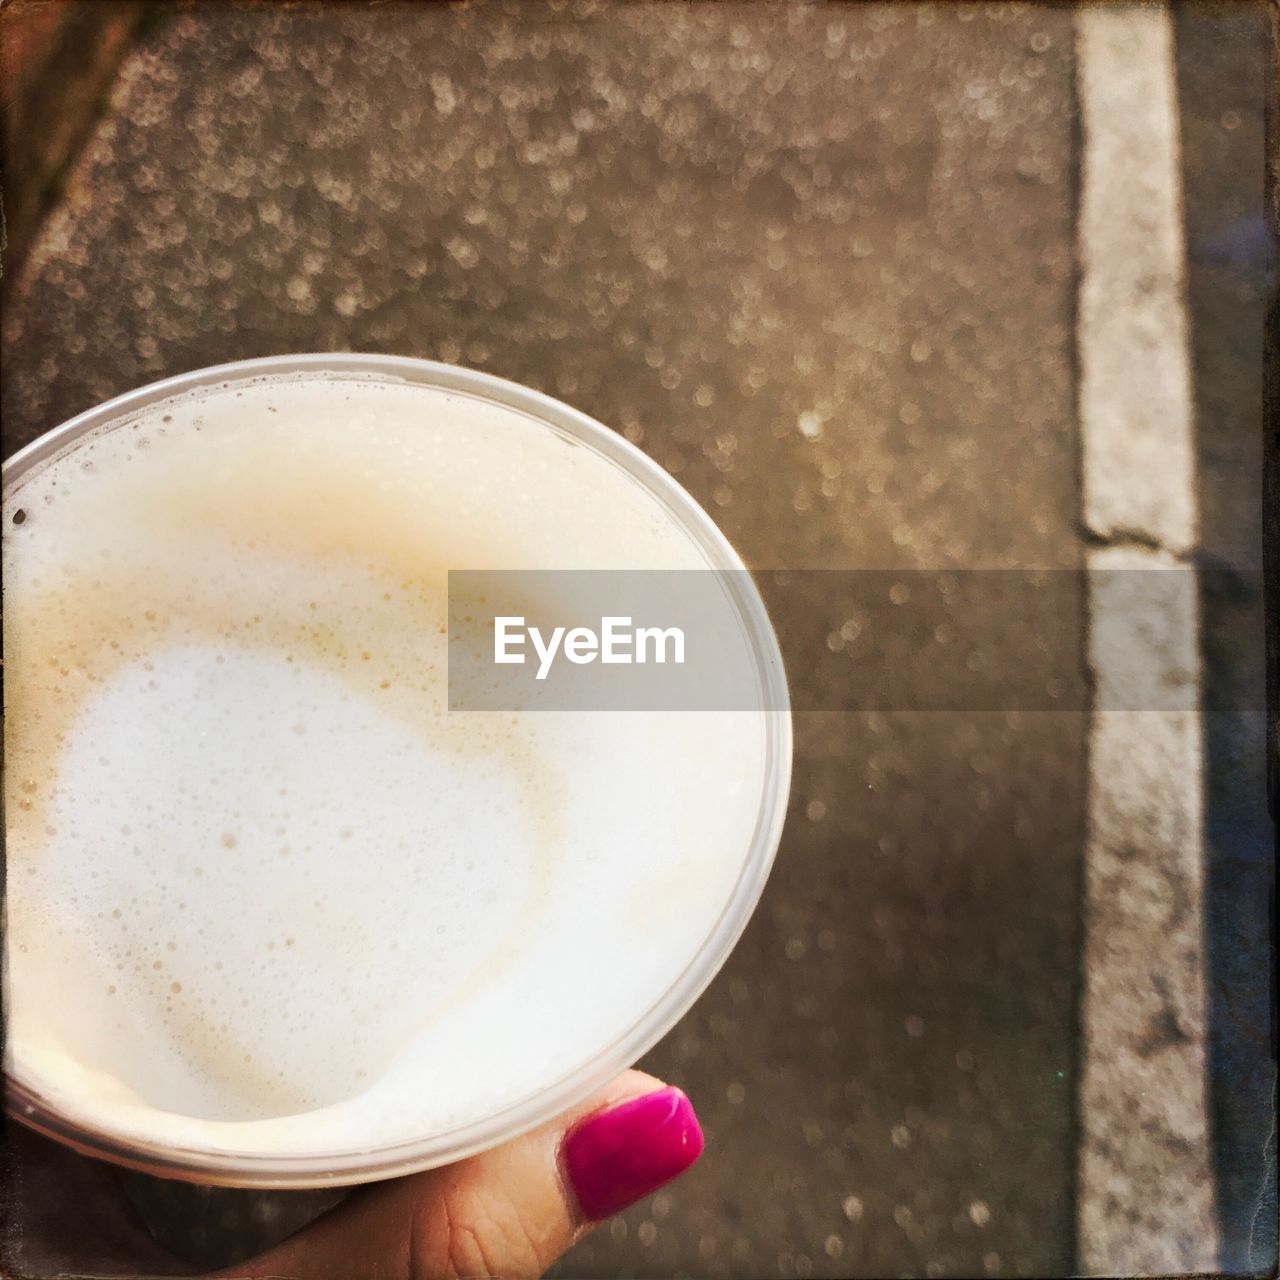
x=616, y=1157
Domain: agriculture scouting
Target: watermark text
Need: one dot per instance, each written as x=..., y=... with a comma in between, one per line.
x=616, y=642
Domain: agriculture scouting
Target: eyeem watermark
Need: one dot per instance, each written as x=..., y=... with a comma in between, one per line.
x=856, y=640
x=604, y=640
x=617, y=642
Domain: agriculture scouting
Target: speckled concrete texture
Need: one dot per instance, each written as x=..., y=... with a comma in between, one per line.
x=817, y=262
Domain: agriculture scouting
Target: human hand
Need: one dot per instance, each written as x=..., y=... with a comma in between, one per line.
x=509, y=1212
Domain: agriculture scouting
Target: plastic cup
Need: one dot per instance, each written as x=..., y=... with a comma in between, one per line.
x=344, y=1167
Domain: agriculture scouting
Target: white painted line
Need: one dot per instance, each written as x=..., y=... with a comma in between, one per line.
x=1135, y=381
x=1146, y=1201
x=1146, y=1193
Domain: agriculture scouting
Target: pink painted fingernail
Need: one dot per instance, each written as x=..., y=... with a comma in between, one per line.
x=618, y=1156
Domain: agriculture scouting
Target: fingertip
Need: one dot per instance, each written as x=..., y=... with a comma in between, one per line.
x=616, y=1156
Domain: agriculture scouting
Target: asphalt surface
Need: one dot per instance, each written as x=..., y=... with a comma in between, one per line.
x=819, y=263
x=1223, y=77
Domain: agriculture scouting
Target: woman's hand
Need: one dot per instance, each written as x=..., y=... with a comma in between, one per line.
x=509, y=1212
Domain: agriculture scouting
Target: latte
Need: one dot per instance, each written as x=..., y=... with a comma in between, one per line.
x=266, y=893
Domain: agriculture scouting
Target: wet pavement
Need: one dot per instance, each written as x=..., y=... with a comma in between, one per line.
x=819, y=263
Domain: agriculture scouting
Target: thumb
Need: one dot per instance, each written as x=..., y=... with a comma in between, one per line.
x=509, y=1212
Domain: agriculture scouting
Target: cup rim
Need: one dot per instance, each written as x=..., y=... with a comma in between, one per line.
x=363, y=1164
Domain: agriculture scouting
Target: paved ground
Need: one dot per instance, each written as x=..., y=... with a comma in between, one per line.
x=820, y=264
x=1223, y=77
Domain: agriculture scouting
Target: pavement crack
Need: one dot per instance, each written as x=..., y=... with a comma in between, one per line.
x=1134, y=539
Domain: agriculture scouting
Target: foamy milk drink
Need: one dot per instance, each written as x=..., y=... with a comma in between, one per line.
x=275, y=913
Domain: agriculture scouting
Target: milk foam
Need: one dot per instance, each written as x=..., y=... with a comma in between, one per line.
x=265, y=893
